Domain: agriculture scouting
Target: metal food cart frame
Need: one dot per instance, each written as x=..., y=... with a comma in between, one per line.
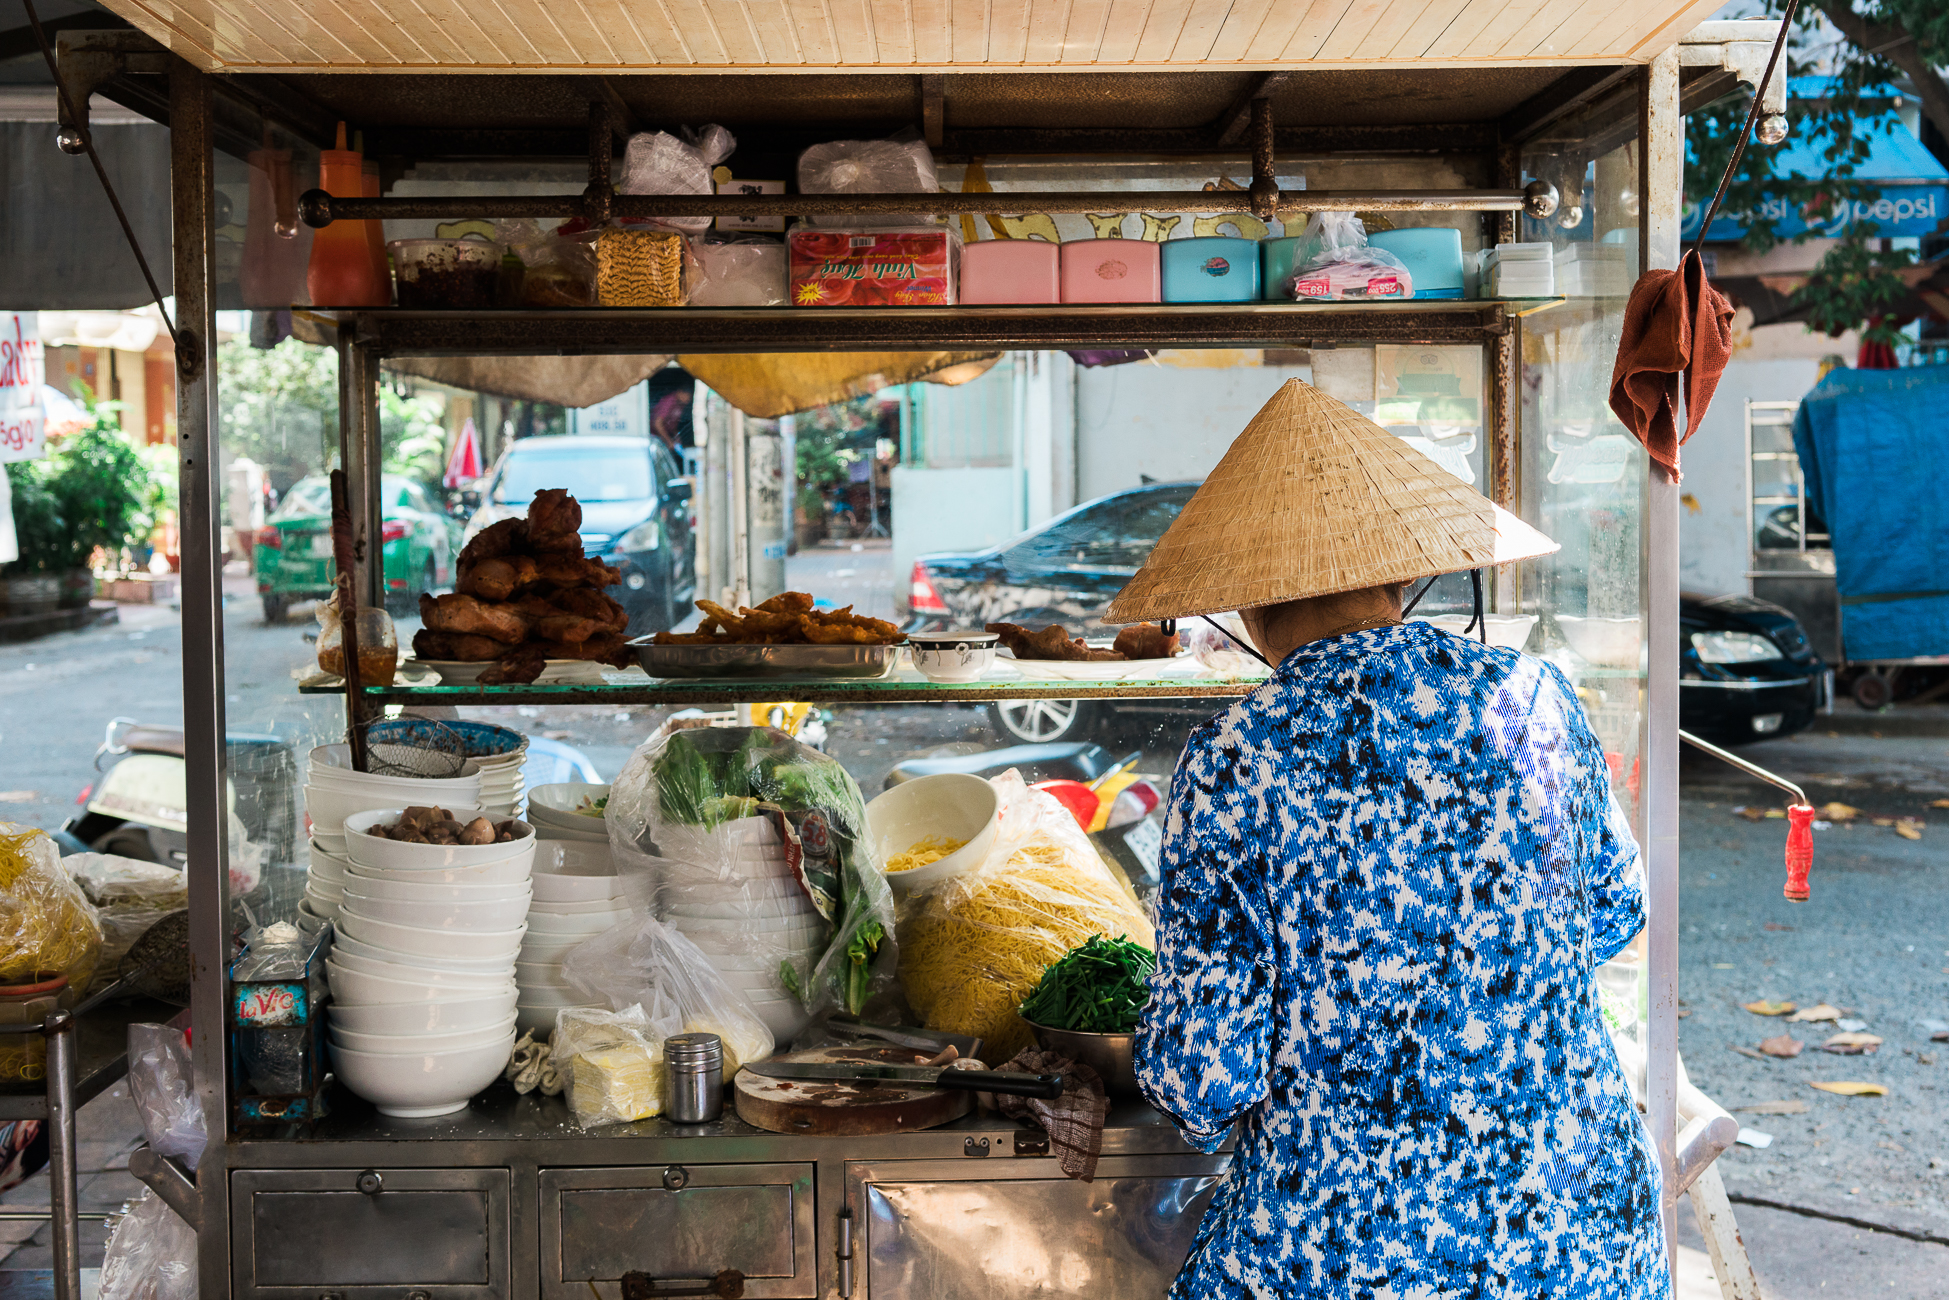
x=514, y=1137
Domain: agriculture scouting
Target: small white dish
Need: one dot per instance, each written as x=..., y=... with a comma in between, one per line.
x=952, y=656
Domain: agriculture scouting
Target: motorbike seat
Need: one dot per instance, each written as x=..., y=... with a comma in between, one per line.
x=146, y=739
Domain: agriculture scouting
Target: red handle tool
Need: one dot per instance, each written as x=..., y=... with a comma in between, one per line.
x=1800, y=850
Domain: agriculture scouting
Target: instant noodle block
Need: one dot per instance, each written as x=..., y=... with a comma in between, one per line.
x=1212, y=268
x=1011, y=271
x=1111, y=270
x=876, y=268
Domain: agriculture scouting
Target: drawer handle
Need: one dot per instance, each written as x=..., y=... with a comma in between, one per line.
x=728, y=1285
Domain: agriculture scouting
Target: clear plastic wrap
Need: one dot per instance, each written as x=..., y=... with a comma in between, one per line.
x=557, y=270
x=739, y=273
x=47, y=925
x=867, y=167
x=974, y=945
x=656, y=162
x=151, y=1255
x=162, y=1084
x=611, y=1063
x=646, y=964
x=129, y=896
x=1343, y=264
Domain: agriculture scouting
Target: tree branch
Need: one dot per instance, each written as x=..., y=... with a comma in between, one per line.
x=1892, y=41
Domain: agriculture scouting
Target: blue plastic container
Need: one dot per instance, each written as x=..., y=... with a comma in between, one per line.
x=1433, y=255
x=1277, y=258
x=1215, y=268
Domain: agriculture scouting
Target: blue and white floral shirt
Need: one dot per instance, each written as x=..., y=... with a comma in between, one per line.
x=1389, y=876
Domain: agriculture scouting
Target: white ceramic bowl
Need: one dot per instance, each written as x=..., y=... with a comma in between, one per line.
x=326, y=862
x=345, y=943
x=367, y=850
x=776, y=945
x=448, y=1015
x=563, y=817
x=322, y=888
x=753, y=925
x=1608, y=642
x=950, y=806
x=614, y=903
x=360, y=988
x=400, y=790
x=558, y=890
x=570, y=837
x=415, y=1044
x=952, y=656
x=548, y=975
x=586, y=925
x=508, y=871
x=328, y=809
x=312, y=914
x=492, y=914
x=565, y=796
x=428, y=1083
x=1509, y=631
x=551, y=997
x=473, y=944
x=414, y=973
x=419, y=890
x=549, y=948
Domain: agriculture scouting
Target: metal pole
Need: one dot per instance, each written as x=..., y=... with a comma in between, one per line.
x=739, y=453
x=1663, y=131
x=61, y=1191
x=358, y=449
x=192, y=184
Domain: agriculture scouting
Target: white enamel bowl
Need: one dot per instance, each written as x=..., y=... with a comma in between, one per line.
x=416, y=890
x=327, y=864
x=615, y=903
x=528, y=975
x=543, y=925
x=345, y=943
x=422, y=1084
x=773, y=908
x=950, y=805
x=367, y=850
x=508, y=871
x=413, y=1044
x=359, y=988
x=471, y=944
x=449, y=1015
x=490, y=914
x=413, y=973
x=564, y=797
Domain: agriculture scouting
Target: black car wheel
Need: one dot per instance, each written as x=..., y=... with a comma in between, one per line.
x=276, y=607
x=1042, y=722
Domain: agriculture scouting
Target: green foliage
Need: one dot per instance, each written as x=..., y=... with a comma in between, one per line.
x=828, y=439
x=92, y=489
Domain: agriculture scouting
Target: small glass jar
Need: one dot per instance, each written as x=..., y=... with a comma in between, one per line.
x=696, y=1063
x=378, y=647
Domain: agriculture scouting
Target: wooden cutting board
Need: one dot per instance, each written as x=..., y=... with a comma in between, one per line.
x=826, y=1108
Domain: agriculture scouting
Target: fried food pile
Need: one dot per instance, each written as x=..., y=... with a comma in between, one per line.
x=1138, y=641
x=524, y=595
x=785, y=619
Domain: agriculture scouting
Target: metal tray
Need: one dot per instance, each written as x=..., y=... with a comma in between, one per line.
x=782, y=661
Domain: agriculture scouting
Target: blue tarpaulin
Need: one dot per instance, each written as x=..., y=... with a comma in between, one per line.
x=1872, y=444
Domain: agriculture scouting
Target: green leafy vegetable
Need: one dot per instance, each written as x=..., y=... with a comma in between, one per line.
x=1099, y=988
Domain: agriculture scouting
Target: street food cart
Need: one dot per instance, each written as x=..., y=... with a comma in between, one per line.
x=1557, y=123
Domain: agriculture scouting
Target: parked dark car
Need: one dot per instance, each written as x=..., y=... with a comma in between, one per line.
x=636, y=513
x=1747, y=672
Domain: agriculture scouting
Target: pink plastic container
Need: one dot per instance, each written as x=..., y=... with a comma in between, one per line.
x=1112, y=270
x=1010, y=271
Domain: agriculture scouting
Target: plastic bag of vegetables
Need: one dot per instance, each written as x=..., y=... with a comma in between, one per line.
x=752, y=846
x=976, y=944
x=47, y=926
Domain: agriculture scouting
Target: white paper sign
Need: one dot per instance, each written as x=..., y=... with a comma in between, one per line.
x=23, y=423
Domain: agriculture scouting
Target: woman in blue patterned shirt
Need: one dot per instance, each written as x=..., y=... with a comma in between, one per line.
x=1389, y=876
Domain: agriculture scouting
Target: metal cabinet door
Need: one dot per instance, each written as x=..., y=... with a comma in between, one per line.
x=1011, y=1229
x=369, y=1234
x=677, y=1221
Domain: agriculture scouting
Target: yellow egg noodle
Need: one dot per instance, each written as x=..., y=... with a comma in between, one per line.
x=923, y=852
x=47, y=925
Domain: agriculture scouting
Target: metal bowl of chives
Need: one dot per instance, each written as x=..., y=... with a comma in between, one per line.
x=1112, y=1056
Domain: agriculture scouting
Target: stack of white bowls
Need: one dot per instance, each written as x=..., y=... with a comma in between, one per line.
x=422, y=968
x=732, y=892
x=500, y=780
x=324, y=882
x=552, y=810
x=333, y=792
x=577, y=897
x=495, y=754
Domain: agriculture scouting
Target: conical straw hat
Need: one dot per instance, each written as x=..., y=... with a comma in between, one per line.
x=1314, y=498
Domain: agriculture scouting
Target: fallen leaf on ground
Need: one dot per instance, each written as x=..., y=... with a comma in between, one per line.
x=1778, y=814
x=1852, y=1089
x=1775, y=925
x=1850, y=1026
x=1896, y=1147
x=1784, y=1045
x=1939, y=803
x=1793, y=1107
x=1764, y=1008
x=1750, y=814
x=1851, y=1044
x=1747, y=1051
x=1837, y=812
x=1684, y=1012
x=1821, y=1012
x=1909, y=829
x=1882, y=821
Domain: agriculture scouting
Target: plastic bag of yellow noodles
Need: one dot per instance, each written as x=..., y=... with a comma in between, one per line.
x=973, y=946
x=47, y=926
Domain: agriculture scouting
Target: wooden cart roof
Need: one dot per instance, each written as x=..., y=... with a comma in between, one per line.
x=615, y=36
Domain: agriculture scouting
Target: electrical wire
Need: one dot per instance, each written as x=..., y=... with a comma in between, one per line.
x=1222, y=631
x=1746, y=131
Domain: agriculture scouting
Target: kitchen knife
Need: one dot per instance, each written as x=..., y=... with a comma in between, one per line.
x=1048, y=1086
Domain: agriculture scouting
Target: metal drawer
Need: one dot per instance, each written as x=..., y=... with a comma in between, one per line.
x=677, y=1221
x=1008, y=1230
x=369, y=1234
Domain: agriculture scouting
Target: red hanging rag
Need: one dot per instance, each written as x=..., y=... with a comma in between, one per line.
x=1675, y=324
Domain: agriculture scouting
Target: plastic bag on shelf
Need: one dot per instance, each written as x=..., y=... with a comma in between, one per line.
x=161, y=1083
x=739, y=273
x=867, y=167
x=130, y=896
x=1344, y=265
x=974, y=945
x=646, y=964
x=151, y=1255
x=558, y=270
x=611, y=1063
x=656, y=162
x=754, y=847
x=47, y=925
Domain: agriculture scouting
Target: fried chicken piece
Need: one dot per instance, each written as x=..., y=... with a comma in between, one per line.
x=788, y=602
x=1146, y=641
x=508, y=537
x=733, y=625
x=574, y=571
x=472, y=617
x=590, y=603
x=453, y=646
x=1051, y=642
x=498, y=578
x=555, y=523
x=518, y=668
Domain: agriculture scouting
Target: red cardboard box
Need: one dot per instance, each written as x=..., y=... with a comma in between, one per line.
x=873, y=268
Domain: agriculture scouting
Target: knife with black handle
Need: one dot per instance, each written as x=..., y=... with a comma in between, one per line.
x=1046, y=1086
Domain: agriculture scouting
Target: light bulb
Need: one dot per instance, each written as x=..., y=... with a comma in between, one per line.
x=1772, y=129
x=1571, y=217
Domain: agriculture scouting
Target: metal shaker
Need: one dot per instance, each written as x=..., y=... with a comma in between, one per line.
x=696, y=1064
